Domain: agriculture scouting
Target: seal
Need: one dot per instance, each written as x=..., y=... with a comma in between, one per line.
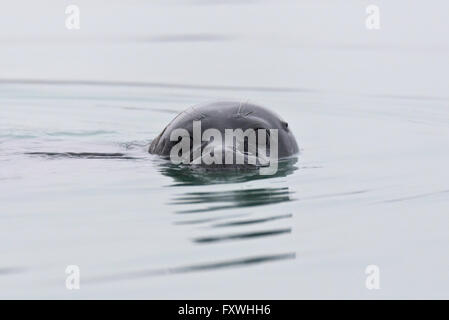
x=222, y=116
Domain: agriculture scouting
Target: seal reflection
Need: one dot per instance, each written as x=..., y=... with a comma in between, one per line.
x=228, y=216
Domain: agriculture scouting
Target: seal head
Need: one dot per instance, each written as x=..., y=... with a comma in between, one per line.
x=227, y=115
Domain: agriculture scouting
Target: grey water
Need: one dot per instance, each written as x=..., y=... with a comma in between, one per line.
x=370, y=111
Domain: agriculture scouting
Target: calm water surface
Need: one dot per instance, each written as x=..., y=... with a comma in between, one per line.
x=370, y=185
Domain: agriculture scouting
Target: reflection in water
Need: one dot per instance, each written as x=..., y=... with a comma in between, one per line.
x=242, y=236
x=232, y=199
x=198, y=221
x=242, y=262
x=252, y=221
x=216, y=204
x=188, y=175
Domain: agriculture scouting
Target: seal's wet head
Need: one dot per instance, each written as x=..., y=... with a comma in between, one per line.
x=226, y=135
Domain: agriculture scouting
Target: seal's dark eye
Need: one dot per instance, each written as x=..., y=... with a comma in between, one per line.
x=285, y=124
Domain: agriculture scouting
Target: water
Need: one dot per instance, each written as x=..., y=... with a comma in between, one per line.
x=370, y=112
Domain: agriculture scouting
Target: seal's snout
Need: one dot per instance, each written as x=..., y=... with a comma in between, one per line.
x=221, y=155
